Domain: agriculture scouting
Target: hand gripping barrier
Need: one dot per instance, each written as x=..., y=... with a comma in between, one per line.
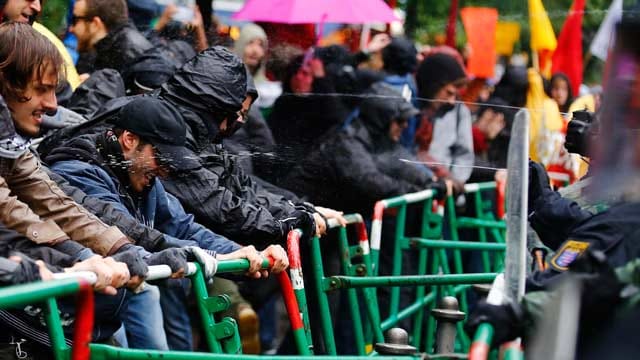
x=221, y=337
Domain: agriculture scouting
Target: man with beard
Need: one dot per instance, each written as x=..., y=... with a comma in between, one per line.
x=103, y=26
x=121, y=166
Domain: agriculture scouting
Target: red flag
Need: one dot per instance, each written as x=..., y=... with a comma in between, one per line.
x=568, y=55
x=451, y=24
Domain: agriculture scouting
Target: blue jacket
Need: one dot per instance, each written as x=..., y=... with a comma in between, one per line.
x=80, y=162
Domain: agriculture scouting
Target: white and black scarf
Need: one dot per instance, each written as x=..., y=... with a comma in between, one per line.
x=12, y=145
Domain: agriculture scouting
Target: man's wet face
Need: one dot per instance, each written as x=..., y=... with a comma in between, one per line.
x=144, y=168
x=39, y=98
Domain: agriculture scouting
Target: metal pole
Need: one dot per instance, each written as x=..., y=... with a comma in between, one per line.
x=447, y=316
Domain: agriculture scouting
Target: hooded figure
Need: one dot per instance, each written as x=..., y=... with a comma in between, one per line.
x=295, y=120
x=399, y=64
x=208, y=89
x=354, y=161
x=211, y=92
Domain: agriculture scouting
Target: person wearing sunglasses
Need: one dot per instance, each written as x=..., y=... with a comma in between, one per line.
x=103, y=26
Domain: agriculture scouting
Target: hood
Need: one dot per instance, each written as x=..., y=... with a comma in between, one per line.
x=399, y=57
x=149, y=71
x=213, y=84
x=382, y=105
x=436, y=71
x=81, y=148
x=102, y=86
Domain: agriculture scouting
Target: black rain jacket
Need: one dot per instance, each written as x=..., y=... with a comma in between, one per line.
x=220, y=194
x=358, y=164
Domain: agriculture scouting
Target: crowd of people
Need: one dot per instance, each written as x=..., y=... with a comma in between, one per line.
x=156, y=148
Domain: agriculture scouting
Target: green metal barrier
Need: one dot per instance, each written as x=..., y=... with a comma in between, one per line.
x=221, y=337
x=444, y=255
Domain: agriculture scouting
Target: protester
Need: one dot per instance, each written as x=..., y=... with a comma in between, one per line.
x=351, y=160
x=559, y=89
x=399, y=64
x=295, y=120
x=444, y=136
x=251, y=47
x=147, y=137
x=27, y=11
x=32, y=205
x=226, y=201
x=103, y=26
x=491, y=134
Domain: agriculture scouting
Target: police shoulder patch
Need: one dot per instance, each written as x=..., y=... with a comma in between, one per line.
x=568, y=252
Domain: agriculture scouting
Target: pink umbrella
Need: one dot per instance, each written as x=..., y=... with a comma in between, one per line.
x=316, y=11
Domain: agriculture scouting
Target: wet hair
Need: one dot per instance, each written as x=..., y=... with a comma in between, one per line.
x=24, y=53
x=113, y=13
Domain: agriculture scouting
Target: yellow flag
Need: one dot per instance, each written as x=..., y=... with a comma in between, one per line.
x=545, y=124
x=542, y=36
x=507, y=34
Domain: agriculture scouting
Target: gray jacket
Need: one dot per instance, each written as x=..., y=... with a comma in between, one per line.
x=452, y=142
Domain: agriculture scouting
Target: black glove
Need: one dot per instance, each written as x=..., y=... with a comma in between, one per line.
x=579, y=131
x=539, y=184
x=507, y=321
x=176, y=258
x=300, y=219
x=440, y=188
x=132, y=256
x=12, y=272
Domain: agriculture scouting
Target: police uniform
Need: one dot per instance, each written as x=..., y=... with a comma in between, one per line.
x=616, y=232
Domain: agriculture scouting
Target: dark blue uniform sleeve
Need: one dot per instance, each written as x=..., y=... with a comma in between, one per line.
x=553, y=217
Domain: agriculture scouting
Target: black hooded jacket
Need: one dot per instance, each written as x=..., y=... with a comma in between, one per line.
x=221, y=195
x=121, y=47
x=358, y=164
x=97, y=90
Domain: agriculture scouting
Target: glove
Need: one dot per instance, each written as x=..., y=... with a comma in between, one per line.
x=298, y=220
x=132, y=256
x=206, y=258
x=507, y=321
x=176, y=258
x=440, y=188
x=539, y=184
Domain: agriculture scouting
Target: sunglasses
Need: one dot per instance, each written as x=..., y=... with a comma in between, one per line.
x=76, y=18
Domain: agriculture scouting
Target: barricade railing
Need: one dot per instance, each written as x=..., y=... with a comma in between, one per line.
x=222, y=337
x=442, y=252
x=358, y=273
